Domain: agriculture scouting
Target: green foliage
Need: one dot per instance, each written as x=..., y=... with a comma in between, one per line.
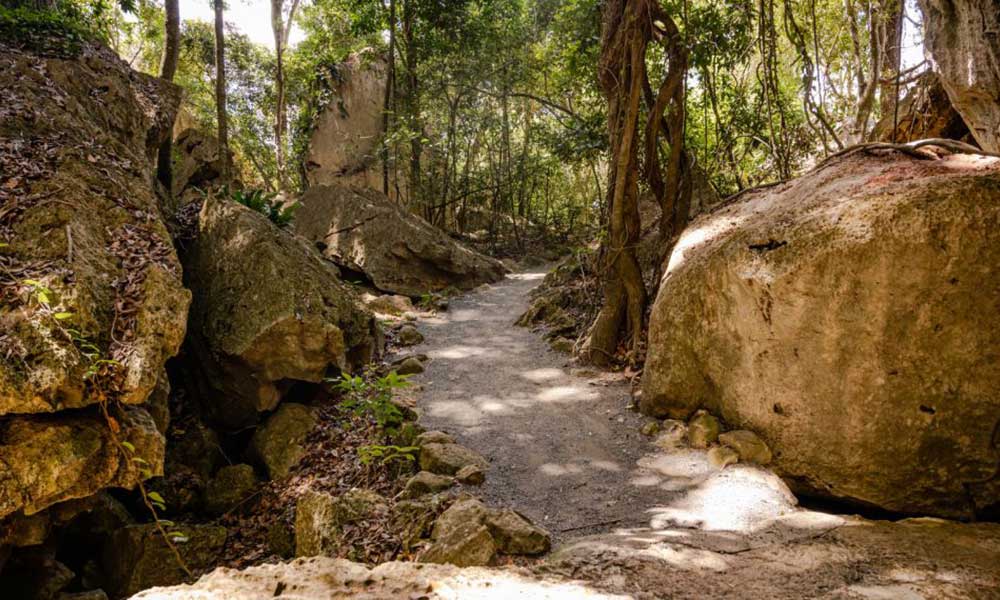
x=373, y=397
x=55, y=32
x=266, y=203
x=386, y=454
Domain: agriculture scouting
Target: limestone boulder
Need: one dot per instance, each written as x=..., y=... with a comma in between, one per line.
x=424, y=483
x=321, y=518
x=88, y=271
x=137, y=557
x=448, y=459
x=279, y=443
x=849, y=318
x=345, y=143
x=268, y=312
x=52, y=458
x=364, y=231
x=961, y=38
x=322, y=578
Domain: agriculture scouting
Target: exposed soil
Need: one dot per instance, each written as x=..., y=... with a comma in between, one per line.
x=562, y=442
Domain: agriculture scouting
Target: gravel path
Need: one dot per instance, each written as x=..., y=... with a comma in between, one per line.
x=562, y=446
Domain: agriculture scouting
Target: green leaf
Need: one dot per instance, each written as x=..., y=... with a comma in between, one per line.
x=62, y=316
x=156, y=497
x=129, y=446
x=140, y=461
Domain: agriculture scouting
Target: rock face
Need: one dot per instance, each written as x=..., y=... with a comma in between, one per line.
x=268, y=311
x=850, y=319
x=344, y=147
x=362, y=230
x=88, y=274
x=961, y=36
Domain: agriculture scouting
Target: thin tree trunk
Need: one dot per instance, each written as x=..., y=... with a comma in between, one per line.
x=168, y=68
x=387, y=103
x=220, y=93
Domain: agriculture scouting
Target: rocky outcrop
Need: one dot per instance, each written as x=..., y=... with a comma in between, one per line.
x=961, y=36
x=849, y=318
x=925, y=112
x=363, y=231
x=347, y=133
x=91, y=299
x=268, y=311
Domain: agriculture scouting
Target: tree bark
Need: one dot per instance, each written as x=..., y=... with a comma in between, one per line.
x=168, y=68
x=281, y=30
x=220, y=93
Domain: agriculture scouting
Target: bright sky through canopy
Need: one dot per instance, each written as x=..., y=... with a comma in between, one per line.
x=252, y=17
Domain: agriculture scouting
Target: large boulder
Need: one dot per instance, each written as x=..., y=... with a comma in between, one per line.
x=961, y=36
x=51, y=458
x=91, y=298
x=347, y=134
x=89, y=271
x=268, y=312
x=363, y=230
x=849, y=318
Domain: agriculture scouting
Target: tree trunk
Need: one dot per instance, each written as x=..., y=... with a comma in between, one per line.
x=387, y=104
x=168, y=68
x=621, y=69
x=412, y=98
x=220, y=93
x=281, y=29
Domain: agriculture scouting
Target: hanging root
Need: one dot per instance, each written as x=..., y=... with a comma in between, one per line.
x=912, y=149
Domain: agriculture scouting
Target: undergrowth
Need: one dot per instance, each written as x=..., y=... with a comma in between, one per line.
x=267, y=204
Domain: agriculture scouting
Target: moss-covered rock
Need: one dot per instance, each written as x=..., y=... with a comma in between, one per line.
x=320, y=518
x=268, y=311
x=138, y=557
x=84, y=233
x=278, y=444
x=52, y=458
x=230, y=486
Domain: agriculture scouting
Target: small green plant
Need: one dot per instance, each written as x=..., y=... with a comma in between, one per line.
x=386, y=454
x=267, y=204
x=375, y=398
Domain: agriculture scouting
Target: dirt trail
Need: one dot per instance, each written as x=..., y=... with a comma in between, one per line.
x=563, y=447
